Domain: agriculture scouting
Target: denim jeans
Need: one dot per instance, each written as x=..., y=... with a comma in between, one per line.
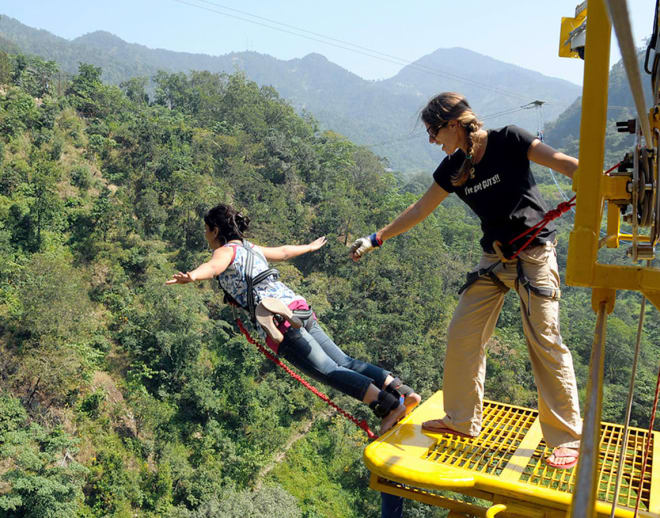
x=314, y=353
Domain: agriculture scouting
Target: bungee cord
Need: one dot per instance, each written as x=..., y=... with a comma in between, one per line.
x=360, y=424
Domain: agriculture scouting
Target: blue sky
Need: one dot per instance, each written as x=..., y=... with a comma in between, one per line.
x=524, y=33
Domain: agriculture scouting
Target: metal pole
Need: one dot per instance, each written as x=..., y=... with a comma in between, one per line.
x=587, y=182
x=584, y=499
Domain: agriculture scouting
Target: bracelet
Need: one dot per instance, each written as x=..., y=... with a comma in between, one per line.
x=375, y=241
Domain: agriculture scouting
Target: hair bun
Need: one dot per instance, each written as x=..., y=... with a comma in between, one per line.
x=242, y=222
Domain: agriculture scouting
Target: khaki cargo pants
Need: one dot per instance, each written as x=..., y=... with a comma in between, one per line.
x=471, y=327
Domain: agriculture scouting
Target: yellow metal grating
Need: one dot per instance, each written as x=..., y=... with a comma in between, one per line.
x=611, y=444
x=504, y=429
x=505, y=465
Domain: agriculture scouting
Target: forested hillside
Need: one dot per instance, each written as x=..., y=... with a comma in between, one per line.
x=123, y=397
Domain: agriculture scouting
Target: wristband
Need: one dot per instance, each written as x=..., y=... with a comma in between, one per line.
x=374, y=240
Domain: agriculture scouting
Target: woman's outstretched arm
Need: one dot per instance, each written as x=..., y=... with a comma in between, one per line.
x=416, y=213
x=410, y=217
x=218, y=263
x=282, y=253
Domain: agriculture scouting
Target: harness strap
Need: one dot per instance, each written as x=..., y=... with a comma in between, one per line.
x=551, y=293
x=248, y=278
x=252, y=282
x=521, y=280
x=385, y=403
x=303, y=314
x=474, y=276
x=260, y=277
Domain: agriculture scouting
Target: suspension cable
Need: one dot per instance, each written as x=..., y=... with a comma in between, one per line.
x=631, y=389
x=584, y=498
x=618, y=13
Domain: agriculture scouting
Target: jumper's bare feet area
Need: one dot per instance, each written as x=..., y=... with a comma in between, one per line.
x=392, y=418
x=562, y=458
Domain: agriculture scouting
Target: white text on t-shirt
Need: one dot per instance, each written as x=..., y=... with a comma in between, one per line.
x=484, y=184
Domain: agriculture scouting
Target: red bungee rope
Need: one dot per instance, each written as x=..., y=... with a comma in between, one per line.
x=362, y=424
x=562, y=208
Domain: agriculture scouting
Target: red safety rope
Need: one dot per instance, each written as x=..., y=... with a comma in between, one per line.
x=612, y=168
x=563, y=207
x=362, y=424
x=647, y=446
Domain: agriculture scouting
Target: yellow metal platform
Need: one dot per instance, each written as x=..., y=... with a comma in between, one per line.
x=505, y=467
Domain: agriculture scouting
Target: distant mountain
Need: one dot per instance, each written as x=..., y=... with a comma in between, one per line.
x=380, y=114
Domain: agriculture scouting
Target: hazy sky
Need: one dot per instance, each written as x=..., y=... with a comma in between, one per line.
x=361, y=36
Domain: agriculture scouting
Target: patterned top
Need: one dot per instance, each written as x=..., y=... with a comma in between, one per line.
x=233, y=281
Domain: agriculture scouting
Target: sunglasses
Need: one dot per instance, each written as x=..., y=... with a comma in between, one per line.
x=433, y=132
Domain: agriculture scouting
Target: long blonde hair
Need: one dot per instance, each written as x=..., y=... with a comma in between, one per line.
x=449, y=106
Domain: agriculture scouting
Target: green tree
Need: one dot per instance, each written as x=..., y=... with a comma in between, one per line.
x=267, y=502
x=135, y=89
x=34, y=75
x=43, y=479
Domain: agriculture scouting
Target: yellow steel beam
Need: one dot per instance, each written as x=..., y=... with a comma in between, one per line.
x=615, y=187
x=583, y=243
x=520, y=458
x=654, y=499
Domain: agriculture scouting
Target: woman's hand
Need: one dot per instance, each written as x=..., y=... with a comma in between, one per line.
x=180, y=278
x=317, y=243
x=361, y=246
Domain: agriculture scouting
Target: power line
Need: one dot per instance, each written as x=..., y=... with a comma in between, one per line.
x=352, y=47
x=421, y=134
x=501, y=113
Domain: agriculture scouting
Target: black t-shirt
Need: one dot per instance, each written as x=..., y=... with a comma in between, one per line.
x=503, y=192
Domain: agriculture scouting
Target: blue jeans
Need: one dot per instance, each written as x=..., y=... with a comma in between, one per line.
x=391, y=506
x=315, y=354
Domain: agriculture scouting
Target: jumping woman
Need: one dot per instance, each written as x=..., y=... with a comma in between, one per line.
x=284, y=318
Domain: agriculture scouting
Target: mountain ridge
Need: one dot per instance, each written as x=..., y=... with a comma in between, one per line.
x=381, y=114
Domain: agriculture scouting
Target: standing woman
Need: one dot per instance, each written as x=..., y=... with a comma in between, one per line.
x=490, y=171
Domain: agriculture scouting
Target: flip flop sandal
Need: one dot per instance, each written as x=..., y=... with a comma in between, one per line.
x=558, y=455
x=439, y=427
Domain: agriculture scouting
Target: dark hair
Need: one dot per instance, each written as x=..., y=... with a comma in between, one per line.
x=230, y=223
x=449, y=106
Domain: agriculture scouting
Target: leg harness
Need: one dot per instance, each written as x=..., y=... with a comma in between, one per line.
x=398, y=389
x=474, y=276
x=521, y=280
